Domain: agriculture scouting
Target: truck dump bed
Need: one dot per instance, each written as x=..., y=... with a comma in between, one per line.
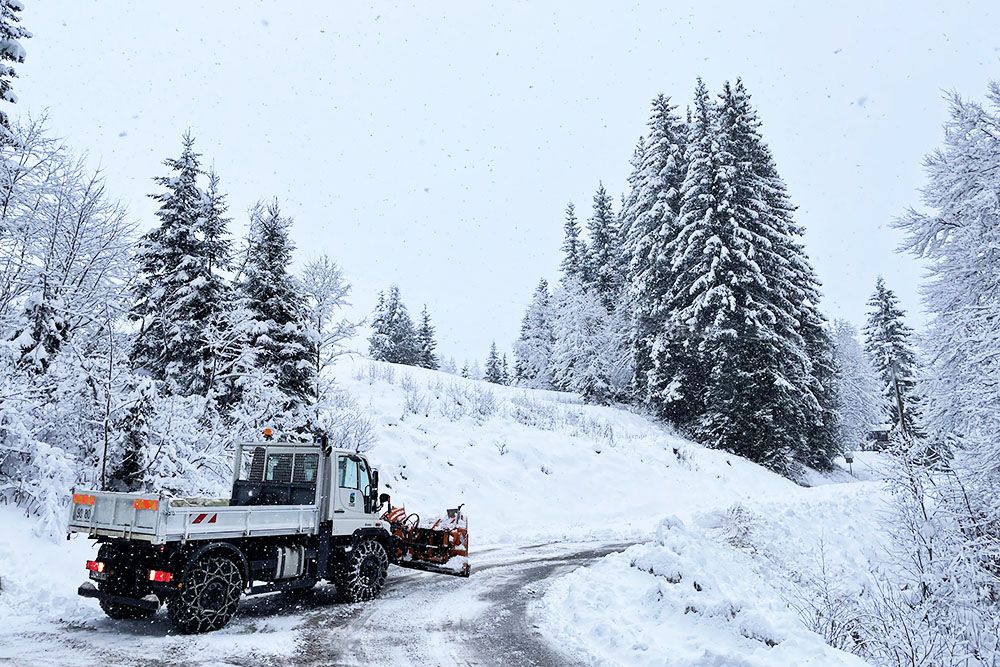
x=159, y=520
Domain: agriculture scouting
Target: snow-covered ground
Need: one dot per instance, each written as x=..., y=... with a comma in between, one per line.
x=726, y=568
x=741, y=586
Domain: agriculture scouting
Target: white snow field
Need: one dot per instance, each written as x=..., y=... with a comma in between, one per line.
x=727, y=562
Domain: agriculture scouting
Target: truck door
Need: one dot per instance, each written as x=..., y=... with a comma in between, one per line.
x=353, y=480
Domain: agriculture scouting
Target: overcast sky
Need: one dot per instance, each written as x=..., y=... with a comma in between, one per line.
x=436, y=146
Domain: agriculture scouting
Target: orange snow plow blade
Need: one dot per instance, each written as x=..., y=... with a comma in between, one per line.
x=436, y=545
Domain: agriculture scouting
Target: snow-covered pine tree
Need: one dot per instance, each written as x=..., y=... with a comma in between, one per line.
x=505, y=375
x=602, y=271
x=649, y=223
x=217, y=246
x=888, y=342
x=426, y=344
x=858, y=390
x=394, y=338
x=493, y=372
x=179, y=293
x=742, y=351
x=819, y=397
x=449, y=366
x=133, y=430
x=214, y=294
x=580, y=357
x=11, y=51
x=574, y=261
x=465, y=370
x=533, y=349
x=794, y=286
x=378, y=342
x=283, y=351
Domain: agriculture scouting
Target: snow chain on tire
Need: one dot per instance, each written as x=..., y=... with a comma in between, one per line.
x=209, y=598
x=364, y=571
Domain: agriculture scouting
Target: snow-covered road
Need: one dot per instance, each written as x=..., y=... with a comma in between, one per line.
x=420, y=619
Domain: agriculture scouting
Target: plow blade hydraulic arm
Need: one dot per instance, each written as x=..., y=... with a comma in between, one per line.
x=438, y=545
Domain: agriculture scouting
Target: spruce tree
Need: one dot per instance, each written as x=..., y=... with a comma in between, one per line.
x=859, y=392
x=797, y=290
x=574, y=262
x=217, y=246
x=394, y=338
x=426, y=344
x=11, y=51
x=533, y=349
x=649, y=222
x=494, y=372
x=134, y=438
x=729, y=300
x=213, y=295
x=505, y=376
x=792, y=288
x=889, y=347
x=581, y=354
x=698, y=250
x=602, y=274
x=378, y=342
x=272, y=296
x=177, y=290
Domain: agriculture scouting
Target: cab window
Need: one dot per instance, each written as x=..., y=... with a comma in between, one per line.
x=347, y=473
x=279, y=468
x=306, y=466
x=364, y=477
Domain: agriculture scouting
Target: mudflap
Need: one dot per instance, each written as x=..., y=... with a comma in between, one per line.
x=439, y=545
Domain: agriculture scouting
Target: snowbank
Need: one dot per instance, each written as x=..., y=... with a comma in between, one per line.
x=749, y=586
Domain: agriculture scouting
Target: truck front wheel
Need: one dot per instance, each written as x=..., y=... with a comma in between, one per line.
x=363, y=572
x=209, y=597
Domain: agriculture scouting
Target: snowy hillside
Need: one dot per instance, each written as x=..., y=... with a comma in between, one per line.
x=535, y=466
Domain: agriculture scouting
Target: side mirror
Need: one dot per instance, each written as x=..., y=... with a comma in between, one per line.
x=375, y=481
x=383, y=499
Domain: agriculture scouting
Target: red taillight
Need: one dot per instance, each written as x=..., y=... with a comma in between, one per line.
x=83, y=499
x=161, y=576
x=146, y=504
x=95, y=566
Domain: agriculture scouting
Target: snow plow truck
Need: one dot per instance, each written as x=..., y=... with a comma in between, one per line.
x=298, y=514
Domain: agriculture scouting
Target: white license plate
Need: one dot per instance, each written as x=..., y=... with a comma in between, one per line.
x=82, y=513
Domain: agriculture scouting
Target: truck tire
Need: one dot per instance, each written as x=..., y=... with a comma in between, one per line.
x=363, y=572
x=209, y=597
x=125, y=582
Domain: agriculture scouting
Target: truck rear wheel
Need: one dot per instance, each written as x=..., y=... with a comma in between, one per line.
x=209, y=597
x=125, y=582
x=363, y=572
